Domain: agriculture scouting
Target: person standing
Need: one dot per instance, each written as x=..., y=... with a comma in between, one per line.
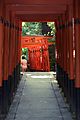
x=24, y=64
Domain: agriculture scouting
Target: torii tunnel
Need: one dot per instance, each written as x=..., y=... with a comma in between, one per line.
x=66, y=15
x=38, y=54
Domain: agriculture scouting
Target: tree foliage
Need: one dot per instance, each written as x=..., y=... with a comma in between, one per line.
x=25, y=52
x=35, y=28
x=52, y=26
x=31, y=28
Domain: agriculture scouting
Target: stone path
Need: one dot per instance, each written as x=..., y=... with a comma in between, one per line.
x=38, y=98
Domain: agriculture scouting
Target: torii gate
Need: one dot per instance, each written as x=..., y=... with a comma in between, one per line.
x=38, y=52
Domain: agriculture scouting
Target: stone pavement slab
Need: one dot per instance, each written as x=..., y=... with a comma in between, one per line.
x=38, y=98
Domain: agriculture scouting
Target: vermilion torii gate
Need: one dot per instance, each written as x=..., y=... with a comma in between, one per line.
x=37, y=52
x=66, y=14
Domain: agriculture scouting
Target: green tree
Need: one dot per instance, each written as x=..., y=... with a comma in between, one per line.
x=31, y=28
x=53, y=28
x=25, y=52
x=35, y=28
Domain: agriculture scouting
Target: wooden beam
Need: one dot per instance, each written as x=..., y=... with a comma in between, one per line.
x=40, y=2
x=28, y=9
x=37, y=18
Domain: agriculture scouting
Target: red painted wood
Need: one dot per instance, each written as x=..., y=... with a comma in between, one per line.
x=19, y=40
x=37, y=9
x=57, y=44
x=38, y=52
x=77, y=46
x=38, y=2
x=38, y=13
x=65, y=44
x=12, y=48
x=37, y=17
x=1, y=44
x=6, y=53
x=41, y=8
x=71, y=65
x=63, y=41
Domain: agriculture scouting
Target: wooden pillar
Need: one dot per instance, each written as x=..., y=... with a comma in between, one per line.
x=77, y=57
x=6, y=46
x=60, y=41
x=77, y=45
x=71, y=64
x=67, y=32
x=65, y=45
x=1, y=52
x=57, y=41
x=1, y=41
x=11, y=60
x=19, y=39
x=59, y=50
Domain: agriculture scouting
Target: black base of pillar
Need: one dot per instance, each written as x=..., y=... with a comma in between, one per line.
x=16, y=75
x=65, y=83
x=11, y=88
x=13, y=82
x=60, y=76
x=71, y=93
x=77, y=102
x=5, y=96
x=0, y=101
